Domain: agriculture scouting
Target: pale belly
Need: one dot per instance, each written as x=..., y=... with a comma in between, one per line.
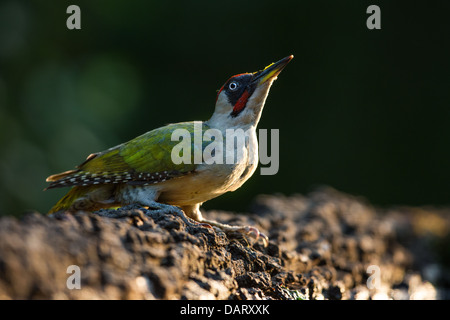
x=205, y=184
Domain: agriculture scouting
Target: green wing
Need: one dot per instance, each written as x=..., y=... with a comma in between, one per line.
x=144, y=160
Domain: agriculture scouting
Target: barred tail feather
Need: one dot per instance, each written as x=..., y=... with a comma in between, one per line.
x=58, y=180
x=60, y=176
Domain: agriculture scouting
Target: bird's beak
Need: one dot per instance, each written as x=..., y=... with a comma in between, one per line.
x=271, y=71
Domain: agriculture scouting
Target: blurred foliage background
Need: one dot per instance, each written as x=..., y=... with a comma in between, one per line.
x=364, y=111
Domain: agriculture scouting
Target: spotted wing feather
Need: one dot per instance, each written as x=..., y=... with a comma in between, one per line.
x=144, y=160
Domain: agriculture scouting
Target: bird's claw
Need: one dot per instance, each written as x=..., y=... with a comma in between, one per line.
x=249, y=231
x=205, y=225
x=256, y=234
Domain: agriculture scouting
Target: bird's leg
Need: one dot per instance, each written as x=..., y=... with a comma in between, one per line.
x=161, y=208
x=194, y=213
x=129, y=194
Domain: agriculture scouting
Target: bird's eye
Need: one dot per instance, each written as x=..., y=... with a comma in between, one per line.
x=233, y=85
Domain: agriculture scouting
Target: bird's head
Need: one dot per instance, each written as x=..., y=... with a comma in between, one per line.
x=241, y=99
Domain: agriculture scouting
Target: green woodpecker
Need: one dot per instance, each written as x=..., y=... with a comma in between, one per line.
x=142, y=171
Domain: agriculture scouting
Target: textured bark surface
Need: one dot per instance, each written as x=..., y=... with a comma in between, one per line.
x=326, y=245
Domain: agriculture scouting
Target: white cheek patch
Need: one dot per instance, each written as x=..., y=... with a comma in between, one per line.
x=259, y=96
x=222, y=104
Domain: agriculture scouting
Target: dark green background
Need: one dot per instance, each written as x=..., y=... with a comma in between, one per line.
x=364, y=111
